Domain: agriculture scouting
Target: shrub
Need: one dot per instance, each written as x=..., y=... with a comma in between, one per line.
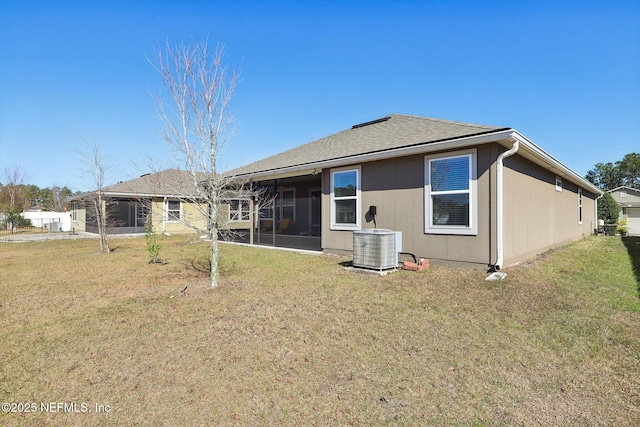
x=153, y=246
x=608, y=209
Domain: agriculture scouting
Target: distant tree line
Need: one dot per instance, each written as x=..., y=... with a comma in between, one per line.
x=30, y=195
x=607, y=176
x=16, y=195
x=625, y=172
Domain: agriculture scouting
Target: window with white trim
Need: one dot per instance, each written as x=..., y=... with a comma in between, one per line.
x=239, y=210
x=558, y=183
x=451, y=193
x=74, y=211
x=287, y=199
x=579, y=205
x=345, y=199
x=173, y=210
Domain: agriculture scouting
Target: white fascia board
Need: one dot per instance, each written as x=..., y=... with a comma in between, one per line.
x=621, y=187
x=429, y=147
x=537, y=155
x=546, y=160
x=149, y=195
x=283, y=173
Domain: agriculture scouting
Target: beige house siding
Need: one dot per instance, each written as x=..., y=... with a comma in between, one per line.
x=537, y=217
x=191, y=219
x=80, y=224
x=629, y=202
x=626, y=195
x=225, y=223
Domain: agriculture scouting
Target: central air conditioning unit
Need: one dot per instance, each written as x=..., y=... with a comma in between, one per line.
x=376, y=248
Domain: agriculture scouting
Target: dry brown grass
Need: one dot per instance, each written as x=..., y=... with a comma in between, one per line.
x=290, y=339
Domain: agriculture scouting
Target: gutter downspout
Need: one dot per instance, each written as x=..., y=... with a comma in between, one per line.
x=251, y=213
x=500, y=202
x=164, y=215
x=595, y=213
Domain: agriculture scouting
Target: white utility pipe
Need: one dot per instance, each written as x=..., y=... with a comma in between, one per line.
x=595, y=211
x=500, y=201
x=164, y=215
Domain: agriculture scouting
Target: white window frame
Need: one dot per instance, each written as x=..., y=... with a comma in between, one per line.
x=291, y=204
x=238, y=213
x=558, y=184
x=167, y=211
x=266, y=208
x=579, y=205
x=472, y=191
x=74, y=211
x=357, y=198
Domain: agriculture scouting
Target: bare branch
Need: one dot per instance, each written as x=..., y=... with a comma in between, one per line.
x=14, y=177
x=94, y=166
x=195, y=111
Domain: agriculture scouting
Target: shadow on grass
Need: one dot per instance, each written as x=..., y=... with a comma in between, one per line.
x=633, y=248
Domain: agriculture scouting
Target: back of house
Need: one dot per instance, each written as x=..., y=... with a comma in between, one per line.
x=457, y=192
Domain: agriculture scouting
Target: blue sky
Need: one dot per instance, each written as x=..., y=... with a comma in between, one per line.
x=566, y=74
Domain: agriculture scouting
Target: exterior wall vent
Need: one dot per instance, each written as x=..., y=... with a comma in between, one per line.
x=376, y=248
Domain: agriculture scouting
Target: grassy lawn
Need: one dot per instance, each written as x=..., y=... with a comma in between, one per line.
x=291, y=339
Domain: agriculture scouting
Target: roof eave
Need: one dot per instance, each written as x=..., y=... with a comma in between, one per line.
x=546, y=160
x=308, y=168
x=133, y=195
x=625, y=187
x=502, y=136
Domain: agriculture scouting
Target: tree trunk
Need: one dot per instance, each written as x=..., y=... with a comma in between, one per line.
x=101, y=219
x=214, y=260
x=213, y=230
x=96, y=207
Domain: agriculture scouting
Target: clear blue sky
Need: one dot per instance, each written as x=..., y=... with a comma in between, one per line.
x=566, y=74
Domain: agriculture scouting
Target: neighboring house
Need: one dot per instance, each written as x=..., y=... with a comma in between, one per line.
x=52, y=221
x=628, y=200
x=167, y=199
x=459, y=192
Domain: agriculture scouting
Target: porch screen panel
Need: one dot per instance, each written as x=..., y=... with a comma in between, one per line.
x=143, y=212
x=288, y=204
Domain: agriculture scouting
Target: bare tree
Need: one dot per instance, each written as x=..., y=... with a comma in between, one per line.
x=94, y=167
x=59, y=197
x=14, y=177
x=195, y=112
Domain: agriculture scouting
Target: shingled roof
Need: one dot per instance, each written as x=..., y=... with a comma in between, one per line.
x=169, y=182
x=387, y=133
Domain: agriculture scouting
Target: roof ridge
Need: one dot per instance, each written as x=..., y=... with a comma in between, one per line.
x=388, y=132
x=623, y=186
x=436, y=119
